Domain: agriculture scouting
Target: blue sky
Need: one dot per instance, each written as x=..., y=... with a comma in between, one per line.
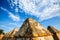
x=14, y=12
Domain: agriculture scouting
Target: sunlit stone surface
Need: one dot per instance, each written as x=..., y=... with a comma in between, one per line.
x=55, y=32
x=31, y=30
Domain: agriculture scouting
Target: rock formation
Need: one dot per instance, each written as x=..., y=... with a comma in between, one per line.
x=10, y=34
x=1, y=36
x=32, y=30
x=55, y=32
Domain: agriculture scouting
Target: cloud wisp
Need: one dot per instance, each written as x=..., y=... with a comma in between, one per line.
x=11, y=15
x=43, y=9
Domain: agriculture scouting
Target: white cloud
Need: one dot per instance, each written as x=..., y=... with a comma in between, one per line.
x=11, y=15
x=4, y=9
x=14, y=17
x=43, y=9
x=15, y=24
x=16, y=9
x=3, y=26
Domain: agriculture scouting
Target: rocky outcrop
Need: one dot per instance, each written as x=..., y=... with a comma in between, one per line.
x=1, y=36
x=58, y=35
x=32, y=30
x=55, y=32
x=10, y=34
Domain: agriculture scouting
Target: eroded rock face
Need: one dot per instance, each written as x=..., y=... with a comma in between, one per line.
x=32, y=30
x=35, y=38
x=1, y=36
x=10, y=35
x=58, y=35
x=55, y=32
x=52, y=29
